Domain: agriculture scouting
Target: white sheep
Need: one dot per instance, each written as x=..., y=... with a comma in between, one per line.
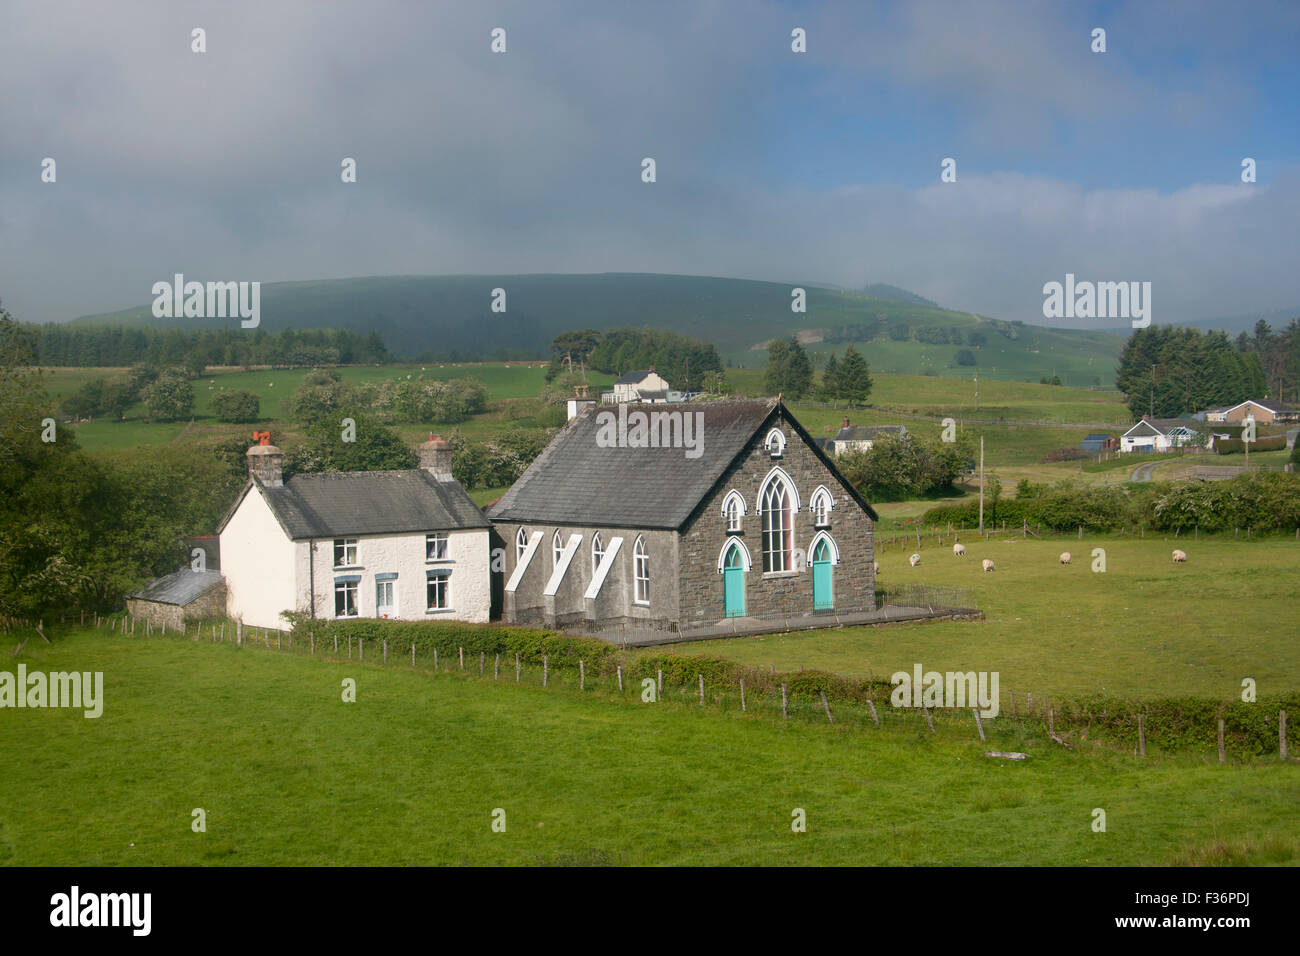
x=914, y=560
x=1065, y=557
x=1179, y=556
x=988, y=565
x=959, y=550
x=875, y=567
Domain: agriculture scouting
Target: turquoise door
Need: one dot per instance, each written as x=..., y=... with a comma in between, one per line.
x=823, y=593
x=733, y=583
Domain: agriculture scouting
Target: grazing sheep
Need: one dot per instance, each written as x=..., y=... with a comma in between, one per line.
x=959, y=550
x=1180, y=556
x=914, y=560
x=988, y=565
x=1065, y=557
x=875, y=567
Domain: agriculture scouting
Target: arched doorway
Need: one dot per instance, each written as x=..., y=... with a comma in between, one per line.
x=733, y=582
x=823, y=587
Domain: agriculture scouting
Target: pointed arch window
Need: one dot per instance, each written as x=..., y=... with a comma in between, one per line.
x=777, y=507
x=557, y=549
x=822, y=504
x=733, y=510
x=641, y=572
x=597, y=551
x=521, y=544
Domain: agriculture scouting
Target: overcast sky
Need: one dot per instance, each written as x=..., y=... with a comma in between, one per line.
x=814, y=167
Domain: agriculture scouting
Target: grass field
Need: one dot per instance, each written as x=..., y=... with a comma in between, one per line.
x=411, y=773
x=1145, y=628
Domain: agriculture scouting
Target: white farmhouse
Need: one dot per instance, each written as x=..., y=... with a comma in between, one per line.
x=642, y=385
x=399, y=544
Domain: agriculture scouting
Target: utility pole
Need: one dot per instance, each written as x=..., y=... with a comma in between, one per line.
x=981, y=484
x=977, y=390
x=1151, y=408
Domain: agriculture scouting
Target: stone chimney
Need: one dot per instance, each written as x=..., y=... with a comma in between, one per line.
x=846, y=422
x=435, y=457
x=265, y=461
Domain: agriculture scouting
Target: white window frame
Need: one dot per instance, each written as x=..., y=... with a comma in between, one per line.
x=733, y=510
x=777, y=560
x=347, y=544
x=821, y=505
x=521, y=544
x=640, y=573
x=437, y=538
x=597, y=552
x=774, y=443
x=557, y=549
x=443, y=576
x=343, y=585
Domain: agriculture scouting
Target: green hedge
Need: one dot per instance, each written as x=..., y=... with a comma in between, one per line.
x=1183, y=723
x=1235, y=446
x=448, y=636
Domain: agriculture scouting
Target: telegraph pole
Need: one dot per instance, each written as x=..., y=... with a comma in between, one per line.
x=981, y=484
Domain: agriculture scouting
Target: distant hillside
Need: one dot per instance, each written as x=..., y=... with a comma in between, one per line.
x=882, y=290
x=426, y=317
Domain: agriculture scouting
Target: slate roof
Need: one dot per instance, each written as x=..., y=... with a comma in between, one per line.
x=867, y=432
x=631, y=378
x=180, y=587
x=1098, y=436
x=574, y=481
x=349, y=503
x=1162, y=426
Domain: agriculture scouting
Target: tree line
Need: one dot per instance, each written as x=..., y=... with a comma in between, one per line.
x=196, y=349
x=685, y=362
x=1167, y=371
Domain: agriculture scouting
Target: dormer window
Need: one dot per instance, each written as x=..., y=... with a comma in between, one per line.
x=733, y=510
x=823, y=502
x=775, y=443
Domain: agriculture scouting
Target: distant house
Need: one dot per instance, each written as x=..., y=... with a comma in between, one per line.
x=862, y=437
x=400, y=544
x=1264, y=413
x=759, y=530
x=643, y=385
x=1158, y=434
x=1099, y=441
x=181, y=596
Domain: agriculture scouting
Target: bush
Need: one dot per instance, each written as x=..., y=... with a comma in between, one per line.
x=1066, y=454
x=236, y=406
x=1235, y=446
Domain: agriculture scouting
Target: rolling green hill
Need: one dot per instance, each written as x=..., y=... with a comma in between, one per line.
x=450, y=317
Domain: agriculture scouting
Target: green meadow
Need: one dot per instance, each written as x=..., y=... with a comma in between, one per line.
x=412, y=772
x=1143, y=628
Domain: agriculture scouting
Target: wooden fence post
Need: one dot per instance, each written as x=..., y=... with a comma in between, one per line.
x=482, y=659
x=385, y=651
x=546, y=669
x=1222, y=753
x=435, y=658
x=516, y=667
x=1030, y=695
x=979, y=724
x=336, y=643
x=783, y=713
x=361, y=648
x=496, y=667
x=462, y=657
x=926, y=710
x=620, y=678
x=1142, y=735
x=659, y=693
x=412, y=655
x=349, y=648
x=742, y=695
x=582, y=675
x=827, y=705
x=871, y=709
x=701, y=690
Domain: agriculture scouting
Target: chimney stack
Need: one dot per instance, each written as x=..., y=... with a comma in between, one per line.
x=846, y=422
x=579, y=402
x=435, y=457
x=265, y=461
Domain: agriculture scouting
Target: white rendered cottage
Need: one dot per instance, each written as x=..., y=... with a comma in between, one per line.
x=400, y=544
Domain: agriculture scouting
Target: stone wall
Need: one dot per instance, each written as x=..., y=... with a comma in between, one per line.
x=782, y=594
